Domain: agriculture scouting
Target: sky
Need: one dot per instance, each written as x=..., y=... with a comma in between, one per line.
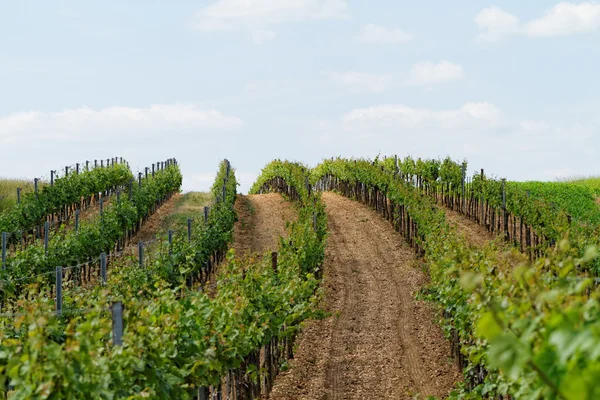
x=511, y=86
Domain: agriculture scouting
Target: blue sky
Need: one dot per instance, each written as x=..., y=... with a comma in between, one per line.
x=510, y=86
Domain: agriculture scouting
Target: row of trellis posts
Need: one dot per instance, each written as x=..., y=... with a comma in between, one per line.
x=497, y=220
x=399, y=217
x=42, y=232
x=237, y=384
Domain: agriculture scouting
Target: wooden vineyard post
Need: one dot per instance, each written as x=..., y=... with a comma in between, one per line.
x=117, y=323
x=274, y=261
x=205, y=214
x=139, y=179
x=189, y=229
x=35, y=186
x=170, y=242
x=18, y=195
x=52, y=177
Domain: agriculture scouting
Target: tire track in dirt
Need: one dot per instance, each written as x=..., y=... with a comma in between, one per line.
x=261, y=221
x=380, y=343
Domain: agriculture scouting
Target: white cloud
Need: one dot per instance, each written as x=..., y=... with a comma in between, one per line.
x=86, y=124
x=371, y=33
x=566, y=19
x=255, y=16
x=561, y=20
x=428, y=73
x=360, y=82
x=480, y=131
x=401, y=116
x=496, y=24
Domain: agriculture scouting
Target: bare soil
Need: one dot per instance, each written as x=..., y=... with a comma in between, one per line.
x=261, y=221
x=152, y=226
x=475, y=234
x=379, y=342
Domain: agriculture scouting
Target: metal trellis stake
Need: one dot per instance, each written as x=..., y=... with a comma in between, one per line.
x=59, y=276
x=141, y=254
x=46, y=234
x=103, y=268
x=117, y=323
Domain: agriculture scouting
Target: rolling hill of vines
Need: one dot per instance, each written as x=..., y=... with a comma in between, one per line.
x=90, y=311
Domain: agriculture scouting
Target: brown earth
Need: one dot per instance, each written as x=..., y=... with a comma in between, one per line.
x=261, y=221
x=379, y=342
x=152, y=226
x=475, y=234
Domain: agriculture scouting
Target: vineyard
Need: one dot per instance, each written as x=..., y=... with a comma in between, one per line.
x=385, y=278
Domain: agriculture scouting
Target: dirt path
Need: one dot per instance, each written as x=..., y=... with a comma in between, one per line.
x=379, y=343
x=152, y=226
x=261, y=221
x=476, y=234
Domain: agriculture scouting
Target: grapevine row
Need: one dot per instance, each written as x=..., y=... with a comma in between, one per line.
x=107, y=232
x=533, y=216
x=59, y=199
x=177, y=342
x=527, y=330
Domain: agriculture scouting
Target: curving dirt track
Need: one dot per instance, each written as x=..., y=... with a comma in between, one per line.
x=476, y=234
x=261, y=221
x=379, y=342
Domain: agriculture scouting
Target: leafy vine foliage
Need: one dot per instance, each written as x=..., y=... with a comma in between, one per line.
x=178, y=339
x=528, y=329
x=65, y=191
x=541, y=213
x=99, y=234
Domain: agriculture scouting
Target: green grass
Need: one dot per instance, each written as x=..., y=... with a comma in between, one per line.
x=190, y=205
x=8, y=191
x=576, y=199
x=593, y=182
